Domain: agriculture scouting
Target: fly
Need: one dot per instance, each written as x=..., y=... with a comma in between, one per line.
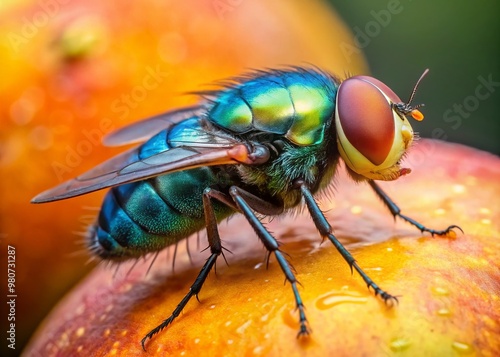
x=260, y=145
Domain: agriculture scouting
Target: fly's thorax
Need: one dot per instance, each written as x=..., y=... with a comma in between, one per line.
x=275, y=180
x=294, y=107
x=297, y=105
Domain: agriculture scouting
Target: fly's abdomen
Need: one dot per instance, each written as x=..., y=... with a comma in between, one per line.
x=147, y=216
x=295, y=104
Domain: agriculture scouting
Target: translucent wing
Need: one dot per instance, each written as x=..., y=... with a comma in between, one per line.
x=208, y=149
x=142, y=130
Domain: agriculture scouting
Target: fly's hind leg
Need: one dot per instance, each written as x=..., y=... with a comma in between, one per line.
x=396, y=212
x=216, y=248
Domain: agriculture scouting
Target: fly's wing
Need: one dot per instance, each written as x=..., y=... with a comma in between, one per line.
x=208, y=149
x=142, y=130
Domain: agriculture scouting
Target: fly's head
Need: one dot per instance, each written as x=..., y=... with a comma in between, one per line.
x=373, y=132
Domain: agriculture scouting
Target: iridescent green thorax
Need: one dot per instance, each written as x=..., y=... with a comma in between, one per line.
x=297, y=104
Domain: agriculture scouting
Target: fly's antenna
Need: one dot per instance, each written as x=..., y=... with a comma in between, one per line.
x=415, y=88
x=406, y=108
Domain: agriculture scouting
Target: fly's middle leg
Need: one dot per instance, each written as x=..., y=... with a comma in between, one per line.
x=325, y=230
x=246, y=203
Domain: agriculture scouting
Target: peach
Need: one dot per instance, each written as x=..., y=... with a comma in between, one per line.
x=448, y=287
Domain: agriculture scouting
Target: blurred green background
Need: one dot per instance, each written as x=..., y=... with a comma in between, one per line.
x=459, y=41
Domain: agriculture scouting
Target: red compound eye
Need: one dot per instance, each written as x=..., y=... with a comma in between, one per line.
x=366, y=116
x=382, y=86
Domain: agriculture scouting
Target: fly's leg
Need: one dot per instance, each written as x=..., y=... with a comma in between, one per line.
x=215, y=245
x=246, y=202
x=325, y=230
x=396, y=212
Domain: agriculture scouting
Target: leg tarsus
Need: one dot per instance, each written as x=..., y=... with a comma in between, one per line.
x=193, y=291
x=303, y=330
x=396, y=212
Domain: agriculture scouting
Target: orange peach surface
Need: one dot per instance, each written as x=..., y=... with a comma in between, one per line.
x=72, y=71
x=448, y=287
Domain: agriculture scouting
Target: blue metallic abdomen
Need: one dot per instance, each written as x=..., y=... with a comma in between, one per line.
x=147, y=216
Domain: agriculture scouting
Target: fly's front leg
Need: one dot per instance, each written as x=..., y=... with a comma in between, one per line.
x=216, y=250
x=396, y=211
x=246, y=203
x=325, y=230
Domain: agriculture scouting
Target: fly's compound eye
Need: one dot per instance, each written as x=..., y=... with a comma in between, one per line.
x=373, y=132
